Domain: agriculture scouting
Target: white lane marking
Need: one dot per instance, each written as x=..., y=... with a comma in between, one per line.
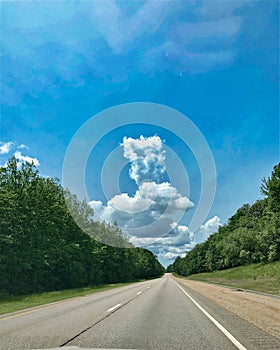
x=138, y=293
x=148, y=287
x=114, y=307
x=216, y=323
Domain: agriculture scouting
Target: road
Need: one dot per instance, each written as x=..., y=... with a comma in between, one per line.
x=155, y=314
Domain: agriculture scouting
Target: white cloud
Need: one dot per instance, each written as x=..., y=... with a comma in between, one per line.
x=169, y=248
x=96, y=205
x=167, y=254
x=177, y=237
x=28, y=159
x=147, y=157
x=22, y=146
x=152, y=203
x=6, y=147
x=150, y=217
x=128, y=204
x=163, y=197
x=211, y=226
x=178, y=242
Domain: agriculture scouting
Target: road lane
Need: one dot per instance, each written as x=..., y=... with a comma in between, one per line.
x=162, y=319
x=54, y=324
x=154, y=314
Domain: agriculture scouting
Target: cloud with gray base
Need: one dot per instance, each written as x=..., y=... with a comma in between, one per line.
x=155, y=205
x=151, y=216
x=168, y=249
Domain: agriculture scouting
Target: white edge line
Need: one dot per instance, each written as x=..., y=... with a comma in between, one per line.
x=216, y=323
x=114, y=307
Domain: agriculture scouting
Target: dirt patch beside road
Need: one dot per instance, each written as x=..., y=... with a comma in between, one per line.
x=261, y=310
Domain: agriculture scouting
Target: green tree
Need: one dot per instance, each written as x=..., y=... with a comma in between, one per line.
x=43, y=248
x=251, y=235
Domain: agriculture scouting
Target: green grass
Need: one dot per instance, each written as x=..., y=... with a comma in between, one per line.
x=15, y=303
x=263, y=277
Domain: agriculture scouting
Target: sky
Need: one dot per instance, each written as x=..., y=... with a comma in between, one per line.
x=90, y=68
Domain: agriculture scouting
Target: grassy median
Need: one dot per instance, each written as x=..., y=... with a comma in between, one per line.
x=263, y=277
x=20, y=302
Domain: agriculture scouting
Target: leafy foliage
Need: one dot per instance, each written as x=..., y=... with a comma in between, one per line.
x=252, y=235
x=43, y=249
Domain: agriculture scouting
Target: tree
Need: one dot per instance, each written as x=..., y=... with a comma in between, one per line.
x=251, y=235
x=43, y=248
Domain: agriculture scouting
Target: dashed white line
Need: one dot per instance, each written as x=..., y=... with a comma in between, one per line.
x=114, y=307
x=216, y=323
x=138, y=293
x=148, y=287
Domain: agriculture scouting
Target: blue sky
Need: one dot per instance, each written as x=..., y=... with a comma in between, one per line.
x=217, y=62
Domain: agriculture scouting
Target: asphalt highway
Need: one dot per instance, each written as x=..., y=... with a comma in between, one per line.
x=155, y=314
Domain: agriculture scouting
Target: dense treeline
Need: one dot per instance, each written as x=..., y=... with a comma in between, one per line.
x=42, y=248
x=252, y=235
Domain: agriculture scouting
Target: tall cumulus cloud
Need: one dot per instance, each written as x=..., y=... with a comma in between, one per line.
x=151, y=216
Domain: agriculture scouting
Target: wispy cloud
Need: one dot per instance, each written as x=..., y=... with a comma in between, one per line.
x=199, y=35
x=120, y=31
x=221, y=9
x=176, y=37
x=22, y=146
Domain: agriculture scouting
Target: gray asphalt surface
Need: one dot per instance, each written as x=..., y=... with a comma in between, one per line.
x=154, y=314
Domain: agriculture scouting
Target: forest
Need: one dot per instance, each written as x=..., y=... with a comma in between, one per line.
x=43, y=249
x=252, y=235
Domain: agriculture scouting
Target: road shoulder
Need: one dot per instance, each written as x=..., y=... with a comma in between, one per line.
x=260, y=310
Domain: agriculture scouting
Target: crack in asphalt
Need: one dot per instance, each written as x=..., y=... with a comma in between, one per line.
x=103, y=318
